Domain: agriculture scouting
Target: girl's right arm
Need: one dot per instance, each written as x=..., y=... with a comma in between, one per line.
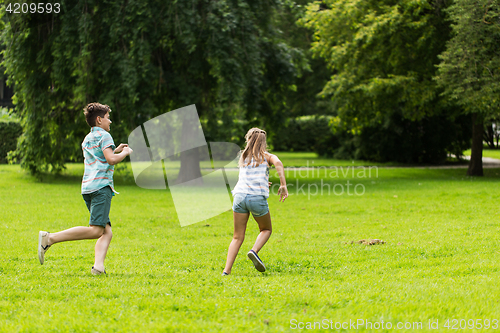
x=283, y=191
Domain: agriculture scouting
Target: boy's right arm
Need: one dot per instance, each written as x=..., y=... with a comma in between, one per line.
x=283, y=190
x=113, y=158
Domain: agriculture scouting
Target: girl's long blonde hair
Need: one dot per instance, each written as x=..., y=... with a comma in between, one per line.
x=255, y=149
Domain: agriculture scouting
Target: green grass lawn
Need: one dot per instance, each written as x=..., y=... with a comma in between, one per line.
x=439, y=262
x=289, y=159
x=310, y=159
x=493, y=153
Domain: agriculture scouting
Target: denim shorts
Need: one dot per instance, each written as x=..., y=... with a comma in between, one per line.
x=248, y=203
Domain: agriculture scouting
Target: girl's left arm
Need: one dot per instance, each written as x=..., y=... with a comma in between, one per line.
x=283, y=191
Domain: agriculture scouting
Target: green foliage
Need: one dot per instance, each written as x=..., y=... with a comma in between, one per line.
x=382, y=55
x=469, y=70
x=10, y=130
x=427, y=140
x=227, y=125
x=142, y=59
x=306, y=133
x=303, y=98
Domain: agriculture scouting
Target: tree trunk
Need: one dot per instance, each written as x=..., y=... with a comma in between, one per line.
x=190, y=158
x=476, y=158
x=190, y=167
x=489, y=136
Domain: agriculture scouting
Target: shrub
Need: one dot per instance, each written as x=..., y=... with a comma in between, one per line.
x=405, y=141
x=10, y=130
x=307, y=133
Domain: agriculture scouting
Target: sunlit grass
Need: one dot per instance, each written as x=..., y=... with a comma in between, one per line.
x=310, y=159
x=493, y=153
x=439, y=262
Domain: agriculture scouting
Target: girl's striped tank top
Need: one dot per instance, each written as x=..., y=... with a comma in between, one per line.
x=253, y=180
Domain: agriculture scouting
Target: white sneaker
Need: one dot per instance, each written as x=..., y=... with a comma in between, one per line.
x=97, y=272
x=43, y=245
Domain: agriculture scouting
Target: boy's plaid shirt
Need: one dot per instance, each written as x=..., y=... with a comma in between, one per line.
x=98, y=173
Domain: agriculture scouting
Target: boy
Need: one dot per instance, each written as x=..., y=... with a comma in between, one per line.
x=97, y=187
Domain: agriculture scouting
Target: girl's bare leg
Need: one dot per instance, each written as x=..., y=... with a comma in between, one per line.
x=266, y=229
x=101, y=248
x=240, y=226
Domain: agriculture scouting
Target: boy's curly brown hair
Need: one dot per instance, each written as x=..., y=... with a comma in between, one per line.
x=94, y=110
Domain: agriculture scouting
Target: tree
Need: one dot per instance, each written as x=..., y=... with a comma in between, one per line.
x=469, y=70
x=303, y=99
x=142, y=59
x=382, y=55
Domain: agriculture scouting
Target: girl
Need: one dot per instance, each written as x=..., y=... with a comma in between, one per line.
x=250, y=196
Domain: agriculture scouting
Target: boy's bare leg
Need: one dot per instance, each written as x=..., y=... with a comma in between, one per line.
x=240, y=226
x=266, y=229
x=76, y=233
x=101, y=248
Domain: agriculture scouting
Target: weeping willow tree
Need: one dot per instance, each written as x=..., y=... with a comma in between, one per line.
x=143, y=59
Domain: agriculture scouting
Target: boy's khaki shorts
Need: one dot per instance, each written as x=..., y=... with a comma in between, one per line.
x=99, y=204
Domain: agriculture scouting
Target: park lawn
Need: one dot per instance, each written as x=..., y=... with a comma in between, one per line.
x=311, y=159
x=492, y=153
x=289, y=159
x=439, y=262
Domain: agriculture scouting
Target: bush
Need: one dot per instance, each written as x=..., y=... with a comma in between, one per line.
x=405, y=141
x=396, y=140
x=10, y=130
x=307, y=133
